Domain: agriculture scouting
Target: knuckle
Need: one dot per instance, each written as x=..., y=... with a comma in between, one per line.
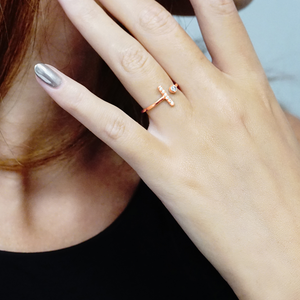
x=115, y=128
x=78, y=96
x=235, y=112
x=222, y=7
x=232, y=111
x=254, y=75
x=86, y=14
x=258, y=85
x=134, y=59
x=157, y=20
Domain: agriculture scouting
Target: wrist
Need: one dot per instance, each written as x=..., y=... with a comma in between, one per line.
x=269, y=276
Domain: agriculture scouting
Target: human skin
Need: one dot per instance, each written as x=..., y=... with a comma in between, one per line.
x=46, y=200
x=71, y=57
x=83, y=193
x=56, y=187
x=224, y=160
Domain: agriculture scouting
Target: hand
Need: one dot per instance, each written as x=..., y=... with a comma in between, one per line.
x=223, y=160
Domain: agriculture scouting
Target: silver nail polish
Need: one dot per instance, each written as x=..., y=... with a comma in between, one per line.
x=47, y=75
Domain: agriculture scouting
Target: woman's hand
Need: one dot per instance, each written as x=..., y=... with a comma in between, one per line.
x=223, y=160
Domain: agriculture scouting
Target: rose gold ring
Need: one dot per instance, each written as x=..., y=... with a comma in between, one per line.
x=173, y=89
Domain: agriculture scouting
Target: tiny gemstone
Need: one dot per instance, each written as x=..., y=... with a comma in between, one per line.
x=160, y=88
x=171, y=102
x=168, y=98
x=174, y=88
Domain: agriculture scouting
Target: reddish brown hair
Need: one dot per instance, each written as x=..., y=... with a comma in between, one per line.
x=18, y=25
x=17, y=20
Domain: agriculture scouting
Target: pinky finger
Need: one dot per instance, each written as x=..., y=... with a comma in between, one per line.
x=125, y=136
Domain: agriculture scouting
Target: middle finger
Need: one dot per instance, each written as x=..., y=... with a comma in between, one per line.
x=157, y=30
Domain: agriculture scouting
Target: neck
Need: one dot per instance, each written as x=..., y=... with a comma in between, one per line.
x=63, y=204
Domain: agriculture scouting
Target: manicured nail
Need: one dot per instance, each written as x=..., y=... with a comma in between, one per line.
x=47, y=75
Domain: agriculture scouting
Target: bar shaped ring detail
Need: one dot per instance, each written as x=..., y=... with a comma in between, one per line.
x=165, y=97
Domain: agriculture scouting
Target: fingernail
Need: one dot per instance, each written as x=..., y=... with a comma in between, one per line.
x=47, y=75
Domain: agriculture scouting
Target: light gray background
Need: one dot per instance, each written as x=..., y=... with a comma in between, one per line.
x=274, y=28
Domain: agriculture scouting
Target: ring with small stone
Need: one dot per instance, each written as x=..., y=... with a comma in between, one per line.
x=165, y=97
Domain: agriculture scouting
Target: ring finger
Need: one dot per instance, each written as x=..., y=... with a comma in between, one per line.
x=139, y=72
